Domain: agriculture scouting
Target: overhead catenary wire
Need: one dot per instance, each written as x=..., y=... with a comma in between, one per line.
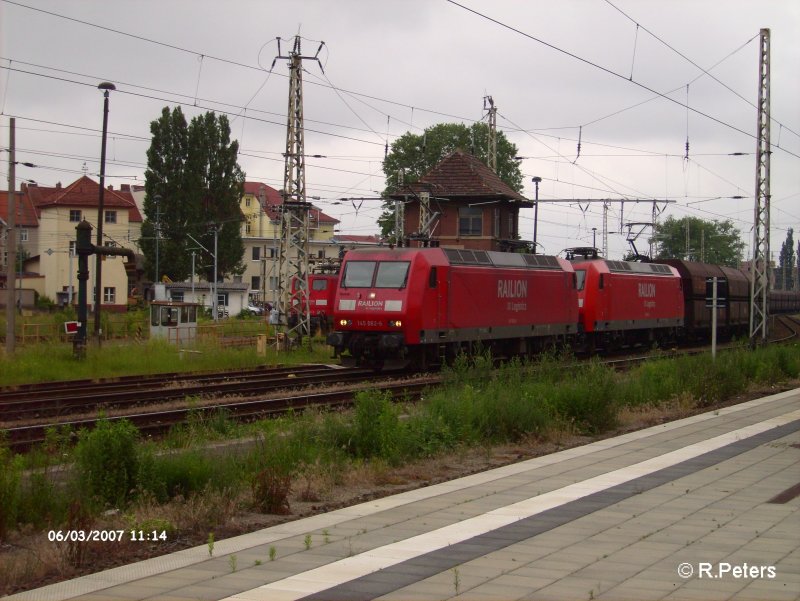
x=686, y=58
x=362, y=95
x=205, y=107
x=507, y=131
x=223, y=60
x=610, y=72
x=412, y=113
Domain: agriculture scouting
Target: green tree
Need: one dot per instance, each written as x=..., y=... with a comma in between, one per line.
x=787, y=262
x=417, y=154
x=194, y=170
x=715, y=241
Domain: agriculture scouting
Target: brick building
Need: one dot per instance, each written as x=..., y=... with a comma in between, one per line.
x=476, y=209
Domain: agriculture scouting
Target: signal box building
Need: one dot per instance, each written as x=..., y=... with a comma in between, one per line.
x=476, y=209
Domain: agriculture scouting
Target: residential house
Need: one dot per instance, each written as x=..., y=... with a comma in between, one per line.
x=46, y=219
x=261, y=208
x=476, y=209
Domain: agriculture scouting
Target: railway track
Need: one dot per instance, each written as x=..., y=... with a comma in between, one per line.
x=58, y=403
x=791, y=326
x=63, y=399
x=21, y=438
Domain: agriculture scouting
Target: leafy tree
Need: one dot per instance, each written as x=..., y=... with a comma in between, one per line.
x=193, y=168
x=418, y=154
x=715, y=241
x=787, y=262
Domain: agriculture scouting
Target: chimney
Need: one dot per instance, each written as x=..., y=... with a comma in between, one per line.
x=111, y=187
x=58, y=185
x=125, y=188
x=23, y=187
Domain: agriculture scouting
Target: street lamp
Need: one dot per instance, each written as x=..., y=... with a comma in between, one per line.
x=157, y=198
x=536, y=179
x=98, y=286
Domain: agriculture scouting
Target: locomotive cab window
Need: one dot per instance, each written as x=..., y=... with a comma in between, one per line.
x=358, y=274
x=432, y=278
x=319, y=285
x=580, y=278
x=392, y=274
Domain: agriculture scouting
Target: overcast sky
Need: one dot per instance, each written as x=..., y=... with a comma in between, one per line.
x=398, y=65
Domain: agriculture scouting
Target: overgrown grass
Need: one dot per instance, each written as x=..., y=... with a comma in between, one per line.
x=44, y=363
x=477, y=406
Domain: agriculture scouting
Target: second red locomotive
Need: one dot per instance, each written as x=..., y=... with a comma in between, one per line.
x=623, y=304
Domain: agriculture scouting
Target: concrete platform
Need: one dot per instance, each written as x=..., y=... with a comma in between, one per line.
x=680, y=511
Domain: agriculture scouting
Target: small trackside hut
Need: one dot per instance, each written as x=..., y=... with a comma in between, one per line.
x=421, y=307
x=174, y=322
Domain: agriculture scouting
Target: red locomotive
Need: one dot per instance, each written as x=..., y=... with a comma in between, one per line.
x=623, y=304
x=425, y=305
x=321, y=295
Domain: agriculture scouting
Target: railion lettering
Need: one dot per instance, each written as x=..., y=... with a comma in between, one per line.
x=647, y=290
x=512, y=289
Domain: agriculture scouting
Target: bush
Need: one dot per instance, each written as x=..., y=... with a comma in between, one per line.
x=106, y=460
x=44, y=302
x=377, y=430
x=588, y=398
x=275, y=463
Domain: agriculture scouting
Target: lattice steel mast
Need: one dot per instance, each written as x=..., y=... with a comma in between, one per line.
x=294, y=215
x=759, y=284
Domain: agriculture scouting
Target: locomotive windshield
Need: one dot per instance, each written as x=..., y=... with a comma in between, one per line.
x=358, y=274
x=319, y=285
x=362, y=274
x=392, y=274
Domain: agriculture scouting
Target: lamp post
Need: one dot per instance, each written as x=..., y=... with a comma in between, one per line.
x=157, y=198
x=98, y=286
x=536, y=179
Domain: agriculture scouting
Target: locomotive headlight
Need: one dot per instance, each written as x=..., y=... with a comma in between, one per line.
x=395, y=324
x=345, y=322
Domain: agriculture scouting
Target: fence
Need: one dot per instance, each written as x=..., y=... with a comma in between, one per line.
x=231, y=332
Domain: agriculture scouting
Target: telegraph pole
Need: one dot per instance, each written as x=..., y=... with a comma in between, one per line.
x=294, y=232
x=11, y=242
x=491, y=150
x=759, y=283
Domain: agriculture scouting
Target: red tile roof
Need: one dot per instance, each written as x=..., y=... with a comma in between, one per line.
x=273, y=200
x=85, y=192
x=26, y=214
x=462, y=175
x=343, y=238
x=82, y=193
